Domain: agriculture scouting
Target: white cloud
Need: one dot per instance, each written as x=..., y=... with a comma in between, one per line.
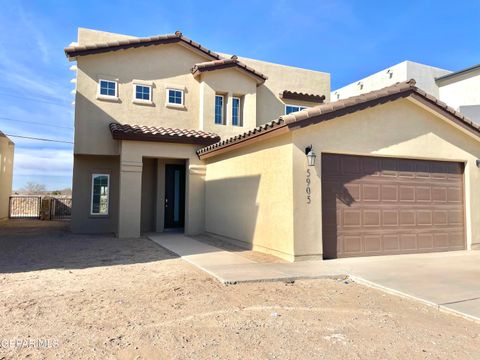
x=35, y=32
x=46, y=162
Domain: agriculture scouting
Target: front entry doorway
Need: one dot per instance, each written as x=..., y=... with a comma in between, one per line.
x=174, y=196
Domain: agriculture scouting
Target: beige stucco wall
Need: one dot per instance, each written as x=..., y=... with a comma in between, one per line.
x=83, y=168
x=398, y=129
x=6, y=173
x=249, y=196
x=283, y=77
x=166, y=66
x=229, y=83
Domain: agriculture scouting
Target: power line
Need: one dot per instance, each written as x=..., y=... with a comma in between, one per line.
x=40, y=139
x=33, y=99
x=36, y=123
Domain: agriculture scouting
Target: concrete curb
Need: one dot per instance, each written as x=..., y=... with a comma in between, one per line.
x=288, y=279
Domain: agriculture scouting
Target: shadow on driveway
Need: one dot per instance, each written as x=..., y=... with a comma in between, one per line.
x=29, y=245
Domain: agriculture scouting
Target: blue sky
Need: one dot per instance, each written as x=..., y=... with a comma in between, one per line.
x=348, y=39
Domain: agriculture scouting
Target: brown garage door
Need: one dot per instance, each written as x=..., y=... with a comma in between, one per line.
x=379, y=206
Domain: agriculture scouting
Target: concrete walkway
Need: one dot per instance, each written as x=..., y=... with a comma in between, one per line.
x=449, y=281
x=232, y=268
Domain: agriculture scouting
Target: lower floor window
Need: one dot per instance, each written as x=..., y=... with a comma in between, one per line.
x=100, y=190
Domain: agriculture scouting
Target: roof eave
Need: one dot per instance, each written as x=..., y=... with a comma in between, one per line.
x=164, y=138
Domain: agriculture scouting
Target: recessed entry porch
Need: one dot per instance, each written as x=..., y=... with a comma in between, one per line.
x=161, y=180
x=163, y=195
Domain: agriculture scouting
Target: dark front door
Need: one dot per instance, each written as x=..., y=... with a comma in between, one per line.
x=174, y=196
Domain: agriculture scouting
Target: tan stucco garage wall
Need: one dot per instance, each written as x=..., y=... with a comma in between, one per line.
x=249, y=196
x=83, y=168
x=397, y=129
x=6, y=174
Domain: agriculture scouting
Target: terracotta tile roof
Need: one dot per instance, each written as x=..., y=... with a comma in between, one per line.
x=226, y=63
x=343, y=107
x=257, y=132
x=161, y=134
x=293, y=95
x=81, y=50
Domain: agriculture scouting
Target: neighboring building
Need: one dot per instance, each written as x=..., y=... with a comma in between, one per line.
x=459, y=90
x=395, y=171
x=424, y=75
x=7, y=148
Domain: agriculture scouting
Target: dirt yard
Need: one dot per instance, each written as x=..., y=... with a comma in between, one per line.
x=105, y=298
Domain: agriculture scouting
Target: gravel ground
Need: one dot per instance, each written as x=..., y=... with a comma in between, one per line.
x=100, y=297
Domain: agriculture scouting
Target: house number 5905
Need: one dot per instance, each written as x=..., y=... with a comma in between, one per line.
x=307, y=188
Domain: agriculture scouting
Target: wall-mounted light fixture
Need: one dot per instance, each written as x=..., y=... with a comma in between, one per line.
x=310, y=155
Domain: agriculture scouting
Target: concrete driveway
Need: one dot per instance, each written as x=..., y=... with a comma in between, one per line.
x=450, y=280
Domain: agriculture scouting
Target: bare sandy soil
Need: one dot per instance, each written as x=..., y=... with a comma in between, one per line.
x=104, y=298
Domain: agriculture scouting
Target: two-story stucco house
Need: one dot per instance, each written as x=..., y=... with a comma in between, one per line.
x=142, y=109
x=169, y=134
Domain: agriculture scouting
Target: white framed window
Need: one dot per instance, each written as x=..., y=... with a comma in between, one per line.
x=219, y=109
x=107, y=89
x=100, y=194
x=293, y=108
x=236, y=111
x=175, y=97
x=142, y=93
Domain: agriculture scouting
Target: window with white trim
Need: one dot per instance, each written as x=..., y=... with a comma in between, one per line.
x=175, y=97
x=143, y=92
x=236, y=111
x=100, y=194
x=107, y=88
x=219, y=109
x=293, y=108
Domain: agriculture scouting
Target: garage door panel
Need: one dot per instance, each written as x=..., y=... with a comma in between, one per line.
x=408, y=242
x=375, y=206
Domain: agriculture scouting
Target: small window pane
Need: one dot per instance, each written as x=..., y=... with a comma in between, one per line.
x=142, y=92
x=100, y=188
x=235, y=111
x=175, y=97
x=218, y=109
x=293, y=108
x=108, y=88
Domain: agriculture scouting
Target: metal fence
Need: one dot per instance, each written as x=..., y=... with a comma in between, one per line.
x=30, y=207
x=61, y=208
x=24, y=207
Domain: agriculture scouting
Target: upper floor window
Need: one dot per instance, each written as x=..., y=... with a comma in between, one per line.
x=174, y=97
x=293, y=108
x=219, y=109
x=107, y=88
x=143, y=92
x=100, y=194
x=236, y=116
